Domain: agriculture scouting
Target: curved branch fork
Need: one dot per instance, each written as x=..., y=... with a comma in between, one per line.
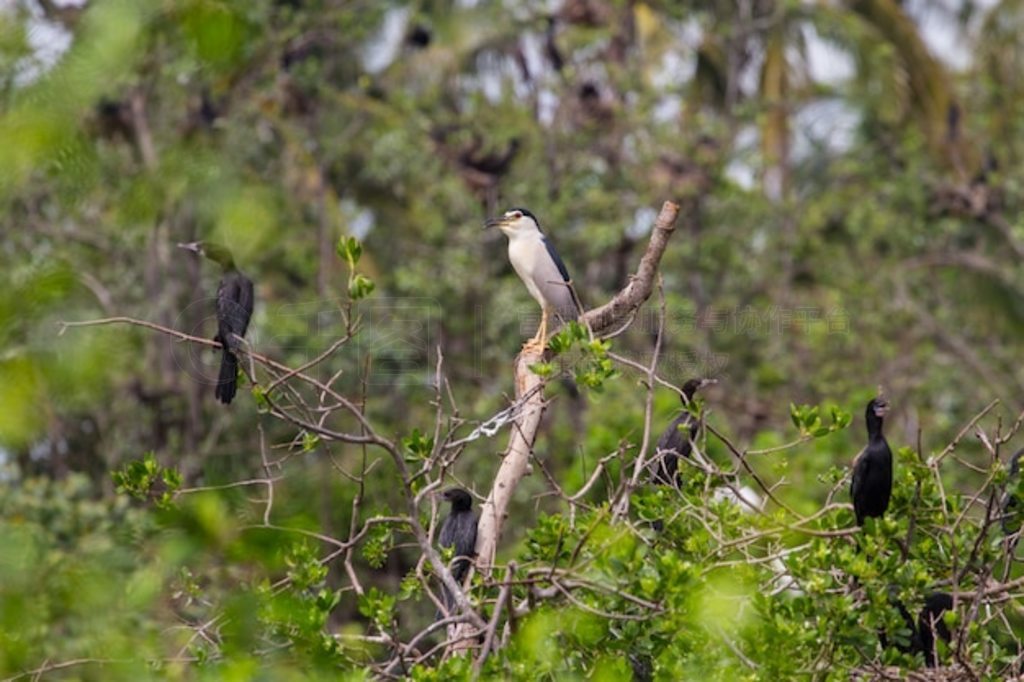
x=602, y=321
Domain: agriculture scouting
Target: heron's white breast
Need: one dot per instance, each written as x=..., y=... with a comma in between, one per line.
x=525, y=252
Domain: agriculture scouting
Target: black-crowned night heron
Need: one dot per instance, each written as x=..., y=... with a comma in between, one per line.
x=539, y=266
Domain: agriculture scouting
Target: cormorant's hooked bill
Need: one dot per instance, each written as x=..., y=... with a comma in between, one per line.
x=234, y=310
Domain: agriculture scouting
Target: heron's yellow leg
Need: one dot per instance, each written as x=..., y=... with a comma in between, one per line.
x=540, y=340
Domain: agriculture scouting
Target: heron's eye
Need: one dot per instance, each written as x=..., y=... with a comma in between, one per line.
x=517, y=214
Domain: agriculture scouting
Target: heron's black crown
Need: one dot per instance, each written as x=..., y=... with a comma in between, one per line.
x=526, y=212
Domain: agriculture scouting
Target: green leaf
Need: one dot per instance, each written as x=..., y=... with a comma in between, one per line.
x=795, y=415
x=840, y=418
x=419, y=445
x=560, y=342
x=543, y=369
x=810, y=417
x=410, y=587
x=377, y=545
x=350, y=250
x=138, y=478
x=326, y=600
x=172, y=479
x=260, y=398
x=359, y=287
x=377, y=606
x=304, y=568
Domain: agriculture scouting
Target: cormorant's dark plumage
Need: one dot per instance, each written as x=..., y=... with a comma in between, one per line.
x=419, y=36
x=676, y=441
x=871, y=487
x=929, y=624
x=1010, y=505
x=234, y=309
x=458, y=531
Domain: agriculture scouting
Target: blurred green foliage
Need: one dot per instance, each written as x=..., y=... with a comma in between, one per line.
x=838, y=231
x=75, y=580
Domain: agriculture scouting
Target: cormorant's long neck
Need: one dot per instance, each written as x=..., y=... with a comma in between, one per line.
x=221, y=255
x=874, y=426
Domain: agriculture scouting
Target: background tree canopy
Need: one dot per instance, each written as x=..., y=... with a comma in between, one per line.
x=849, y=180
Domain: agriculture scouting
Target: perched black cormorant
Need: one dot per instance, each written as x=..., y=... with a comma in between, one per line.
x=234, y=308
x=677, y=439
x=1010, y=505
x=458, y=531
x=929, y=623
x=871, y=487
